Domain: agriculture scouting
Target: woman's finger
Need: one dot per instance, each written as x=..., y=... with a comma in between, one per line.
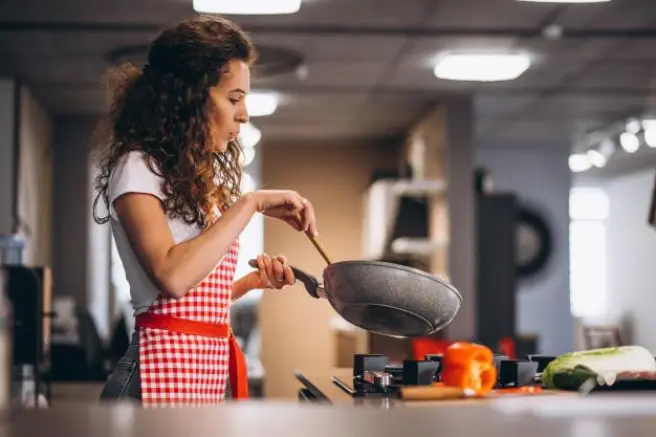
x=278, y=270
x=294, y=202
x=263, y=272
x=289, y=275
x=268, y=262
x=309, y=219
x=294, y=223
x=306, y=214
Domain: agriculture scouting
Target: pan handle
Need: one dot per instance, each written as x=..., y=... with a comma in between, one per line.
x=310, y=282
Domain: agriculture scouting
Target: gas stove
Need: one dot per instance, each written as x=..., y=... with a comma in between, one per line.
x=374, y=375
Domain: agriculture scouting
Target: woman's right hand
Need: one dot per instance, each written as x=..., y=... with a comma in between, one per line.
x=289, y=206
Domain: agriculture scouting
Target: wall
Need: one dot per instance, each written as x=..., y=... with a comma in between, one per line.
x=80, y=248
x=631, y=253
x=35, y=179
x=296, y=329
x=540, y=175
x=25, y=170
x=70, y=209
x=7, y=153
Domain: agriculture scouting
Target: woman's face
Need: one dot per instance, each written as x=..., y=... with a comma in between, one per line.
x=228, y=101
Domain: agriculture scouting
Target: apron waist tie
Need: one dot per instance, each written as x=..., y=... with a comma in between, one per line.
x=236, y=363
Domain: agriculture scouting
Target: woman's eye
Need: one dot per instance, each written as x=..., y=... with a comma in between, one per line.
x=234, y=101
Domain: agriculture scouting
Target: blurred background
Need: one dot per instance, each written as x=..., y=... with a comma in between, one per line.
x=505, y=145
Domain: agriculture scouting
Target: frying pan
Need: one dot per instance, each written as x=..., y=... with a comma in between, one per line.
x=385, y=298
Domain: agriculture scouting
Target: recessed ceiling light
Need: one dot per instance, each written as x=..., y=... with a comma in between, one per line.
x=247, y=7
x=565, y=1
x=579, y=162
x=650, y=131
x=629, y=142
x=260, y=103
x=633, y=126
x=481, y=67
x=597, y=158
x=650, y=138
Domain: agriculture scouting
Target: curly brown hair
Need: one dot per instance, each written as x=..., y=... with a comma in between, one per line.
x=163, y=111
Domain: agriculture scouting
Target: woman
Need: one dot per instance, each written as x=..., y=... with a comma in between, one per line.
x=170, y=181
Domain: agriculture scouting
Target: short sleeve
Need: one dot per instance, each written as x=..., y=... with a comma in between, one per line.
x=132, y=175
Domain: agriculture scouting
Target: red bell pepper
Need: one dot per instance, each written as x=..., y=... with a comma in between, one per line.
x=469, y=366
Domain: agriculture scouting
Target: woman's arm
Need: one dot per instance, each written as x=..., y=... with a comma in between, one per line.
x=177, y=268
x=245, y=284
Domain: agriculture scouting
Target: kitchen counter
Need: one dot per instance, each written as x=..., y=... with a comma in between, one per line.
x=319, y=387
x=291, y=419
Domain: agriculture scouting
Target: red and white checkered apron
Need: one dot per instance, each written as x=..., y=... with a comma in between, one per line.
x=179, y=369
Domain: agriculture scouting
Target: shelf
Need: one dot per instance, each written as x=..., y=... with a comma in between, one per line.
x=419, y=188
x=417, y=246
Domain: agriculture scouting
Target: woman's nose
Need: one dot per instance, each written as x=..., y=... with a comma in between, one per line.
x=242, y=116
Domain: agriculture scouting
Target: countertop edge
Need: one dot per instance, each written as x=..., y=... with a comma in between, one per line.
x=311, y=387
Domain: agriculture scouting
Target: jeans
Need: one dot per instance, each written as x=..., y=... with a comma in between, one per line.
x=124, y=383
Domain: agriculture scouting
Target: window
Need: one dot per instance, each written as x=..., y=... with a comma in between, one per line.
x=589, y=208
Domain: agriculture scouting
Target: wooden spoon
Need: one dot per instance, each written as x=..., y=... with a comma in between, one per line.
x=314, y=242
x=434, y=393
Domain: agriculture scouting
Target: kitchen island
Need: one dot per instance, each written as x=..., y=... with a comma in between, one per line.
x=333, y=388
x=291, y=419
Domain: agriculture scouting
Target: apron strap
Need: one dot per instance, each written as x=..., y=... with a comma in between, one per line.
x=237, y=369
x=237, y=362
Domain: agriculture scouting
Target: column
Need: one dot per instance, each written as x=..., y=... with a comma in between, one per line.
x=8, y=154
x=440, y=146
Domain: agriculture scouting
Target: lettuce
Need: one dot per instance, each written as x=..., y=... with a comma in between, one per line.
x=570, y=370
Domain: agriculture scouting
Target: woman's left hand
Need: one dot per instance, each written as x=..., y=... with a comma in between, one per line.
x=274, y=272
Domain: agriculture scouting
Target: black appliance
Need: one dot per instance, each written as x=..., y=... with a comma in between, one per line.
x=374, y=375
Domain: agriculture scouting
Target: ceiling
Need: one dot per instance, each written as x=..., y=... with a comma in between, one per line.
x=368, y=62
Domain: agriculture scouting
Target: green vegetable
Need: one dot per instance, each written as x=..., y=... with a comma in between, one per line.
x=570, y=370
x=569, y=379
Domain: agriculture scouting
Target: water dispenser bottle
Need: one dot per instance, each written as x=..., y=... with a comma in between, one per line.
x=11, y=249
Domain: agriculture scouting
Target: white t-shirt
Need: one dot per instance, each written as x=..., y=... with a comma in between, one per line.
x=132, y=175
